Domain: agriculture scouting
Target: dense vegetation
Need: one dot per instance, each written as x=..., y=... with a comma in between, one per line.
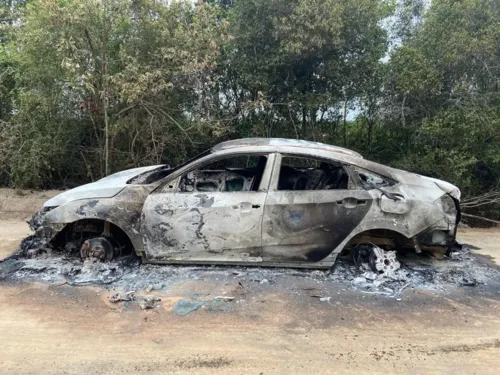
x=88, y=87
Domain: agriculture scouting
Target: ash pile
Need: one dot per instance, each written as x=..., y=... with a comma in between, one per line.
x=367, y=269
x=375, y=271
x=378, y=271
x=36, y=260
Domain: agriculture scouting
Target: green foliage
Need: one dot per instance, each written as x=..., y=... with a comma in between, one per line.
x=442, y=95
x=292, y=65
x=106, y=100
x=88, y=87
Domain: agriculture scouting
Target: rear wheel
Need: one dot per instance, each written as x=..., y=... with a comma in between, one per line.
x=380, y=261
x=383, y=262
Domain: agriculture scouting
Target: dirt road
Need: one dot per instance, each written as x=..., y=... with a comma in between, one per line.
x=62, y=329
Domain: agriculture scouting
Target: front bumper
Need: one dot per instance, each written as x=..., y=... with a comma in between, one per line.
x=49, y=231
x=43, y=228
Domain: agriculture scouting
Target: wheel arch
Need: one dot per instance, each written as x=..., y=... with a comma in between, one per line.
x=391, y=227
x=94, y=225
x=382, y=237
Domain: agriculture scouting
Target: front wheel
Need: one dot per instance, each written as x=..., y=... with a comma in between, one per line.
x=100, y=248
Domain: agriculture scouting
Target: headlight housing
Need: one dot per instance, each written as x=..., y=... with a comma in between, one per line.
x=36, y=220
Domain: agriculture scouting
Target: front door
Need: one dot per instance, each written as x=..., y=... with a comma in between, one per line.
x=311, y=207
x=212, y=213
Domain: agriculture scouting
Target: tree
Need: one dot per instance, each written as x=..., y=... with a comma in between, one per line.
x=93, y=86
x=442, y=95
x=294, y=64
x=93, y=90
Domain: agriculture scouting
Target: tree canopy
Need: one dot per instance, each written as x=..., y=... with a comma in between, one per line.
x=89, y=87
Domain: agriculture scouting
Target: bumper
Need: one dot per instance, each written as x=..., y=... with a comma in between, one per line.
x=49, y=231
x=441, y=237
x=437, y=237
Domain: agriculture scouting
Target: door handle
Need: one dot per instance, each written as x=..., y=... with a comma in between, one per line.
x=246, y=206
x=351, y=202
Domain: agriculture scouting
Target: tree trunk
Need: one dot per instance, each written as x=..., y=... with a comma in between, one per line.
x=345, y=122
x=370, y=131
x=304, y=114
x=105, y=101
x=106, y=137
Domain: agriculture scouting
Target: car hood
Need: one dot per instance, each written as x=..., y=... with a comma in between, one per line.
x=106, y=187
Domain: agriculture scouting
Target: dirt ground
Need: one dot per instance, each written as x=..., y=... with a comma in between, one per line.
x=67, y=330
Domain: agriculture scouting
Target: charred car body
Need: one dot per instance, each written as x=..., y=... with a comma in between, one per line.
x=255, y=201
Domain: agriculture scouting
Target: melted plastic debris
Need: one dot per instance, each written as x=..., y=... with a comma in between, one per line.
x=184, y=306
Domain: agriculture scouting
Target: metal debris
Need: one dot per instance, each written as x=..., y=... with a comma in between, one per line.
x=149, y=302
x=420, y=272
x=122, y=297
x=32, y=247
x=370, y=275
x=224, y=298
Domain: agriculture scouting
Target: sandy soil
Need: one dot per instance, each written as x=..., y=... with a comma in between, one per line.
x=63, y=329
x=21, y=204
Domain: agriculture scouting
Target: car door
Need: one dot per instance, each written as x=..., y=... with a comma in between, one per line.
x=208, y=215
x=305, y=221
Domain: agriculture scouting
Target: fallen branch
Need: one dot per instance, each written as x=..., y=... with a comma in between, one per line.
x=481, y=218
x=490, y=197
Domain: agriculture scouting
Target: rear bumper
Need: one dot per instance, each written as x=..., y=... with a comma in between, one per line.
x=437, y=237
x=442, y=235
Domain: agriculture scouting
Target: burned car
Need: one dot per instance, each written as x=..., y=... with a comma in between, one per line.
x=277, y=202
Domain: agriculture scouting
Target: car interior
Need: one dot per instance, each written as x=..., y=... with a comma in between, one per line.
x=241, y=173
x=298, y=173
x=244, y=173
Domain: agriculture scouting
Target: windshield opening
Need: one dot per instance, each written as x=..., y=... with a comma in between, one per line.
x=159, y=173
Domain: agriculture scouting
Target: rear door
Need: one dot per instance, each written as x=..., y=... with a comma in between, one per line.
x=311, y=207
x=212, y=213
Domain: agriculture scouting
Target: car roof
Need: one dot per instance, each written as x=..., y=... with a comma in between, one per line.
x=280, y=143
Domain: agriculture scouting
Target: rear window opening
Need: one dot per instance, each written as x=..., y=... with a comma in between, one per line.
x=370, y=180
x=299, y=173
